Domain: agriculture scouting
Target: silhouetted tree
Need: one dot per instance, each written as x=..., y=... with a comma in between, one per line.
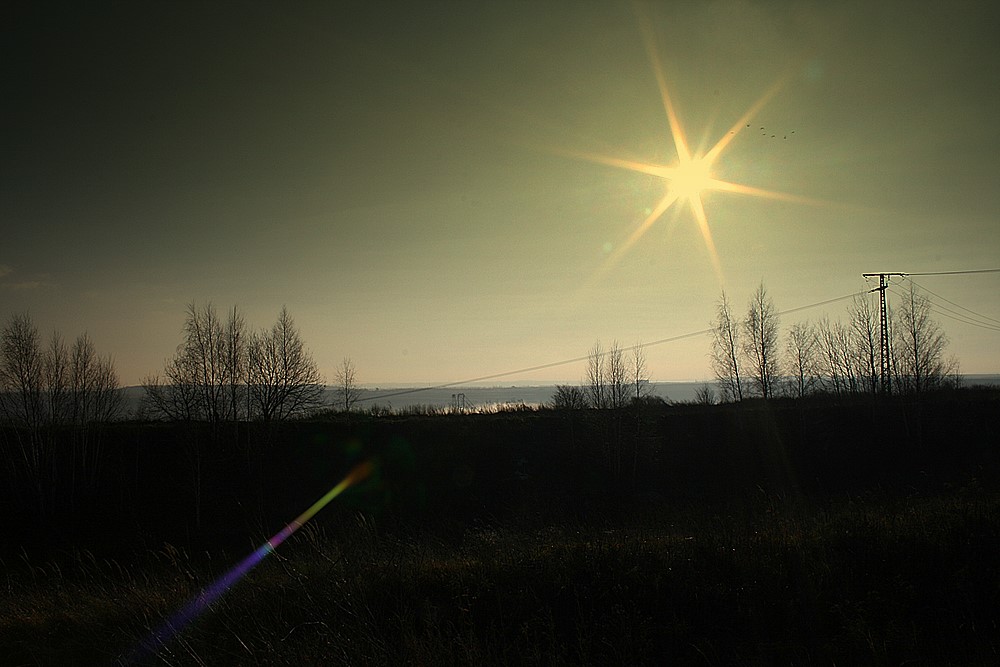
x=348, y=391
x=837, y=360
x=800, y=352
x=42, y=388
x=640, y=383
x=205, y=347
x=597, y=392
x=760, y=344
x=617, y=379
x=865, y=341
x=284, y=379
x=96, y=393
x=177, y=397
x=219, y=371
x=193, y=386
x=705, y=395
x=608, y=381
x=725, y=353
x=235, y=364
x=57, y=379
x=22, y=370
x=568, y=397
x=919, y=344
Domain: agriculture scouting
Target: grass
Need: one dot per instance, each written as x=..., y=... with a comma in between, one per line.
x=874, y=581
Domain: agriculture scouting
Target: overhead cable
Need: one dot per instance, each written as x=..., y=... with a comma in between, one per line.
x=564, y=362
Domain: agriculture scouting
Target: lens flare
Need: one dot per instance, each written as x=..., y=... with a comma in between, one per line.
x=213, y=592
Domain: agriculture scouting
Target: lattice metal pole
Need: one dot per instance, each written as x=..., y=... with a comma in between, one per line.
x=885, y=370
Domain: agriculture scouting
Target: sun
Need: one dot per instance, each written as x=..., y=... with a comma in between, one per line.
x=687, y=179
x=691, y=178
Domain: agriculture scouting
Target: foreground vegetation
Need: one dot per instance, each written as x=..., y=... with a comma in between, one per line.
x=860, y=582
x=796, y=532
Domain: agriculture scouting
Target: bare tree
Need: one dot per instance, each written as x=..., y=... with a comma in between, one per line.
x=176, y=397
x=596, y=377
x=617, y=377
x=22, y=368
x=107, y=400
x=608, y=382
x=85, y=377
x=836, y=357
x=725, y=352
x=222, y=372
x=195, y=378
x=919, y=346
x=640, y=381
x=705, y=395
x=761, y=342
x=866, y=342
x=96, y=393
x=348, y=391
x=57, y=373
x=284, y=379
x=800, y=351
x=568, y=397
x=235, y=364
x=205, y=347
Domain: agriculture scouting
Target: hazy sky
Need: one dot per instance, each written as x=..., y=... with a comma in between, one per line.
x=411, y=179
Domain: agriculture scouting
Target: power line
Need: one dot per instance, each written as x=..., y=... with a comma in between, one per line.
x=949, y=313
x=952, y=273
x=819, y=303
x=969, y=310
x=564, y=362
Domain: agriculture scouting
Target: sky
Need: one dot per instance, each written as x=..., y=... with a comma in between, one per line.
x=443, y=191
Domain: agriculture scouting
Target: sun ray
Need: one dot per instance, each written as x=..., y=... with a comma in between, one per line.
x=676, y=129
x=637, y=234
x=762, y=193
x=706, y=234
x=688, y=178
x=621, y=163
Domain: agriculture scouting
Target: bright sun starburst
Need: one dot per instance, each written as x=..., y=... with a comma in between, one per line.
x=689, y=178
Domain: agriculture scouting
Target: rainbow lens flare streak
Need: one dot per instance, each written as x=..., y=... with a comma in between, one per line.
x=195, y=608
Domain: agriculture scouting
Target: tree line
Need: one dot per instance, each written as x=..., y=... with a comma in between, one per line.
x=221, y=371
x=54, y=383
x=55, y=397
x=224, y=371
x=47, y=389
x=616, y=377
x=750, y=357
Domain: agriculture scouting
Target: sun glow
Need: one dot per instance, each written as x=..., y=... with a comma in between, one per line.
x=689, y=177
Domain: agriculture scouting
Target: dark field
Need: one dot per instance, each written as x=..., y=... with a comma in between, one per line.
x=809, y=532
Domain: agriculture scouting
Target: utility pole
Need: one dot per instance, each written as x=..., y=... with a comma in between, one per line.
x=885, y=379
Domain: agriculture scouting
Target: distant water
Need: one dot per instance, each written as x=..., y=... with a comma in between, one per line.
x=402, y=398
x=478, y=397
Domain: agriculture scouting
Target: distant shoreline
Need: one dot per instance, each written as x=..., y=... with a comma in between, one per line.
x=471, y=396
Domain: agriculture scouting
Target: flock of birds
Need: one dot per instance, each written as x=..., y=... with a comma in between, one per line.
x=763, y=133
